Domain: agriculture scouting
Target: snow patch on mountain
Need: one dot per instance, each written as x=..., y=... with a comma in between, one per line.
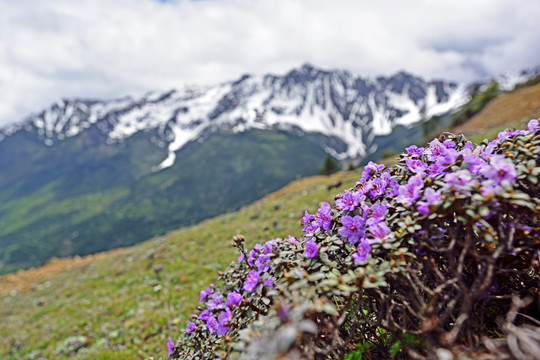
x=337, y=104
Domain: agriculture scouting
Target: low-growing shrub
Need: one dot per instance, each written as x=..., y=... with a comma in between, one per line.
x=435, y=257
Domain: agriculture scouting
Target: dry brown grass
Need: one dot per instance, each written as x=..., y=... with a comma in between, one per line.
x=509, y=108
x=24, y=280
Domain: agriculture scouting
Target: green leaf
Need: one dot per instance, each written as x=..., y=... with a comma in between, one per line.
x=396, y=348
x=522, y=203
x=317, y=276
x=483, y=211
x=324, y=258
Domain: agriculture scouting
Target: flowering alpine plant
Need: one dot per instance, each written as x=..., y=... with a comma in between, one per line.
x=424, y=257
x=353, y=228
x=348, y=201
x=311, y=249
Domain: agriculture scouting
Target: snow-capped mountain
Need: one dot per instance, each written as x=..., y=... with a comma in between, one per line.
x=337, y=104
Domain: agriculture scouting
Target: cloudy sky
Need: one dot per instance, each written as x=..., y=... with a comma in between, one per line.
x=51, y=49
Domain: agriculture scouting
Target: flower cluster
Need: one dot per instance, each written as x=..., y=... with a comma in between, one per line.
x=364, y=208
x=217, y=308
x=366, y=238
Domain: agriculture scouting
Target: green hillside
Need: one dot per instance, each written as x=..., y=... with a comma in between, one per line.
x=83, y=195
x=125, y=305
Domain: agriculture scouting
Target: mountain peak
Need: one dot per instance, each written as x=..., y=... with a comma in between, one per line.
x=336, y=104
x=307, y=67
x=305, y=73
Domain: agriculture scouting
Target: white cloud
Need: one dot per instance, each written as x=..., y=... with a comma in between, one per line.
x=100, y=48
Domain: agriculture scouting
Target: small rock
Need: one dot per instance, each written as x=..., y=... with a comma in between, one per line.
x=71, y=345
x=444, y=354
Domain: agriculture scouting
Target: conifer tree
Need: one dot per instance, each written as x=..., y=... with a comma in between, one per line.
x=329, y=167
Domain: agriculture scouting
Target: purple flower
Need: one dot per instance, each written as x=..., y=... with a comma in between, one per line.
x=379, y=186
x=448, y=158
x=251, y=281
x=205, y=315
x=435, y=169
x=224, y=317
x=431, y=197
x=370, y=169
x=486, y=150
x=234, y=299
x=212, y=324
x=414, y=150
x=409, y=192
x=253, y=254
x=348, y=201
x=364, y=210
x=449, y=144
x=377, y=211
x=460, y=177
x=292, y=240
x=222, y=330
x=392, y=188
x=268, y=247
x=191, y=327
x=474, y=161
x=499, y=169
x=353, y=228
x=241, y=257
x=509, y=133
x=311, y=249
x=363, y=186
x=283, y=311
x=215, y=302
x=362, y=252
x=379, y=230
x=323, y=218
x=306, y=223
x=534, y=125
x=489, y=188
x=204, y=294
x=170, y=346
x=263, y=263
x=416, y=166
x=435, y=150
x=268, y=282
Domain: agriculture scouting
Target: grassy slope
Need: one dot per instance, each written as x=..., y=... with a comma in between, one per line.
x=119, y=303
x=512, y=109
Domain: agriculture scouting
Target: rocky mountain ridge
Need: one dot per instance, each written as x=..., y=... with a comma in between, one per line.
x=351, y=109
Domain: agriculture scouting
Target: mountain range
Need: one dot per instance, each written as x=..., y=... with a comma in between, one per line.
x=89, y=175
x=337, y=104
